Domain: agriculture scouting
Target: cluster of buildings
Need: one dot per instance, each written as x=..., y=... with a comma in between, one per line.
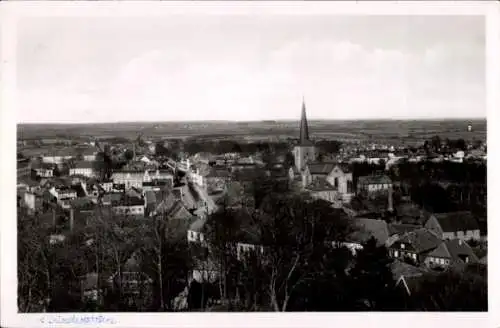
x=418, y=241
x=71, y=187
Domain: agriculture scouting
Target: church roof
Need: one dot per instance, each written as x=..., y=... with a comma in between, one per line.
x=304, y=129
x=321, y=168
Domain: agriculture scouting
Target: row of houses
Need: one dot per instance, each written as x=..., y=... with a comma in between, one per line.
x=441, y=243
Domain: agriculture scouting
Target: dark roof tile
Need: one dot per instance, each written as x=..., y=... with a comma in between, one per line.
x=457, y=221
x=422, y=240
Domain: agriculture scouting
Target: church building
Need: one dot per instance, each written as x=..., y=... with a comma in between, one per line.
x=328, y=181
x=304, y=152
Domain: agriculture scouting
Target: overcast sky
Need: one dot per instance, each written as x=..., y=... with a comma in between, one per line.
x=250, y=68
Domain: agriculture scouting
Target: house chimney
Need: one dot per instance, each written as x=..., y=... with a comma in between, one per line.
x=390, y=206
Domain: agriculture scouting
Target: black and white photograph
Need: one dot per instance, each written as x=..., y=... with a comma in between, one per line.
x=250, y=161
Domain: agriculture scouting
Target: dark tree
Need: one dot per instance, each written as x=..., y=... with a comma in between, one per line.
x=371, y=279
x=129, y=155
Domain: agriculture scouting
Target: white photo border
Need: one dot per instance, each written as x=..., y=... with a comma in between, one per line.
x=11, y=12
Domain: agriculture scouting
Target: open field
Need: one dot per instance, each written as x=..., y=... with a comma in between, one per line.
x=360, y=130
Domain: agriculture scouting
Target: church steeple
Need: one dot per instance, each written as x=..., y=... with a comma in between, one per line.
x=304, y=129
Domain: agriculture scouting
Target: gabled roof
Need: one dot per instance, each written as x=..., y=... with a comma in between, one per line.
x=249, y=236
x=412, y=283
x=367, y=228
x=44, y=166
x=320, y=185
x=128, y=201
x=89, y=151
x=408, y=209
x=455, y=249
x=402, y=269
x=321, y=168
x=457, y=221
x=167, y=202
x=84, y=165
x=111, y=197
x=179, y=211
x=440, y=251
x=374, y=179
x=130, y=171
x=82, y=203
x=421, y=240
x=402, y=228
x=218, y=173
x=29, y=182
x=150, y=197
x=23, y=162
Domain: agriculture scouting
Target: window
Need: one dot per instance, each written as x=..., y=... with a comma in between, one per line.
x=402, y=246
x=414, y=256
x=336, y=182
x=396, y=254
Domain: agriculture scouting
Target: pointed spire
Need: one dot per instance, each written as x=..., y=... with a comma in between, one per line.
x=304, y=129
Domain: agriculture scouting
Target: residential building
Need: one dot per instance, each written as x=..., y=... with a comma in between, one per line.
x=107, y=186
x=248, y=240
x=321, y=189
x=217, y=179
x=83, y=168
x=63, y=193
x=415, y=245
x=130, y=206
x=340, y=177
x=45, y=170
x=373, y=183
x=204, y=270
x=59, y=156
x=454, y=225
x=196, y=232
x=90, y=154
x=33, y=200
x=184, y=165
x=23, y=167
x=211, y=178
x=451, y=252
x=129, y=178
x=159, y=175
x=198, y=174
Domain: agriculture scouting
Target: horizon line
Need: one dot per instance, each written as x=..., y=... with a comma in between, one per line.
x=264, y=120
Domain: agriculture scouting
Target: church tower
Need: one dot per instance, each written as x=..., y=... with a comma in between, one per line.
x=305, y=151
